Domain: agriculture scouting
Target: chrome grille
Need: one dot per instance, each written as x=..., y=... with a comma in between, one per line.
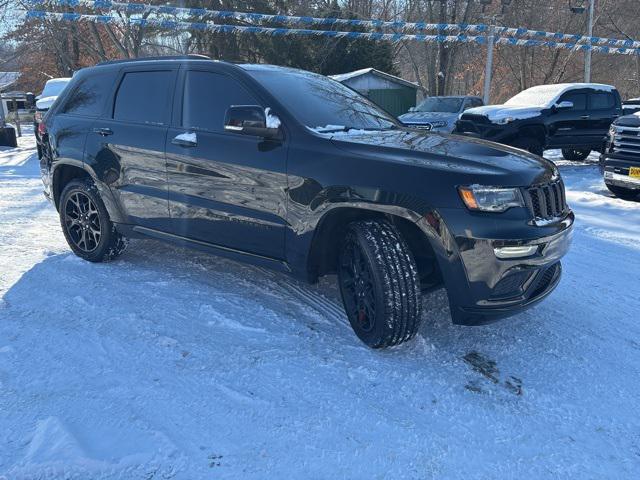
x=546, y=201
x=626, y=140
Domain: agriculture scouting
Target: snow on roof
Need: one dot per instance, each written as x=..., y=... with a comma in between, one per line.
x=8, y=78
x=547, y=95
x=366, y=71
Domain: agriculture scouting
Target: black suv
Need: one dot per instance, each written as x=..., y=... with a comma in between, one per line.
x=574, y=117
x=295, y=171
x=620, y=162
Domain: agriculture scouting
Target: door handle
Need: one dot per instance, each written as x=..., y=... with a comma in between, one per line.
x=186, y=140
x=585, y=117
x=103, y=131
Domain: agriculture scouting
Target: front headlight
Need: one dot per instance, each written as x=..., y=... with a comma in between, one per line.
x=438, y=124
x=490, y=199
x=504, y=121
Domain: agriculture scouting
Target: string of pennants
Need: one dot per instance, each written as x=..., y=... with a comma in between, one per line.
x=446, y=33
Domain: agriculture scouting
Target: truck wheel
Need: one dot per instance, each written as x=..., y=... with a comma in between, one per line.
x=624, y=193
x=575, y=155
x=530, y=144
x=379, y=284
x=86, y=224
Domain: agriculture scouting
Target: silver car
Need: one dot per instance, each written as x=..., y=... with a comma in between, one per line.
x=439, y=114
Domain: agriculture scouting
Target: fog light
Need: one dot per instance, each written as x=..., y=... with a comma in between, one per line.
x=515, y=252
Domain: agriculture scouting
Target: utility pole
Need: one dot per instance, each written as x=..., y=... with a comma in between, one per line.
x=587, y=54
x=488, y=72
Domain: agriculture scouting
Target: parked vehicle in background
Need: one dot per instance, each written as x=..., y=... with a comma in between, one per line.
x=297, y=172
x=52, y=89
x=439, y=114
x=19, y=106
x=631, y=106
x=620, y=162
x=574, y=117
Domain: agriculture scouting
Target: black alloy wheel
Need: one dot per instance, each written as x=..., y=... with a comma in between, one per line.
x=358, y=287
x=82, y=222
x=86, y=224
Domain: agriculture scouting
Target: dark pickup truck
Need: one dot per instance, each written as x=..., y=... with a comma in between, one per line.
x=294, y=171
x=620, y=162
x=574, y=117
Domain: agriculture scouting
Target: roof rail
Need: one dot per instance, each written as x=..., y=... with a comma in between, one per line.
x=165, y=57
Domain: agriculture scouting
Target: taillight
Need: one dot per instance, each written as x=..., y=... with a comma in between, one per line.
x=42, y=129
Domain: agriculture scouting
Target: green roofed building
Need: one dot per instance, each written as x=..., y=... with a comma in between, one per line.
x=392, y=93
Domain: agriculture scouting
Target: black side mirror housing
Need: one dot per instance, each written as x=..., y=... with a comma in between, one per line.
x=252, y=120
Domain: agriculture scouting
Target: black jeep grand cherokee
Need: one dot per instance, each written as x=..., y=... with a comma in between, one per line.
x=292, y=170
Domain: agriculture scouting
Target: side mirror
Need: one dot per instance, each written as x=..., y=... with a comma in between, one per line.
x=564, y=105
x=252, y=120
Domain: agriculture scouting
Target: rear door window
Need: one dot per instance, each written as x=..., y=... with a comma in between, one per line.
x=88, y=98
x=602, y=101
x=579, y=100
x=145, y=97
x=207, y=96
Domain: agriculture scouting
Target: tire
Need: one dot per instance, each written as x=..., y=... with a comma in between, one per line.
x=379, y=284
x=624, y=193
x=575, y=155
x=86, y=224
x=530, y=144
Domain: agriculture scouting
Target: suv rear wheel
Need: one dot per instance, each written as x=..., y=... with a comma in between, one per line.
x=624, y=193
x=379, y=284
x=575, y=155
x=86, y=224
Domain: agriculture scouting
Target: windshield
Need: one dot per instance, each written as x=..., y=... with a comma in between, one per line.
x=322, y=104
x=440, y=104
x=54, y=88
x=540, y=96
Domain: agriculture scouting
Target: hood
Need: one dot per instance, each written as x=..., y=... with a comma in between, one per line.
x=415, y=117
x=45, y=103
x=632, y=120
x=462, y=159
x=500, y=112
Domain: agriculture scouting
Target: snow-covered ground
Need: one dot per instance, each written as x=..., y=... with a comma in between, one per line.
x=171, y=364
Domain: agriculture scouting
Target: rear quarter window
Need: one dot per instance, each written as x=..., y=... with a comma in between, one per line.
x=145, y=97
x=602, y=101
x=89, y=96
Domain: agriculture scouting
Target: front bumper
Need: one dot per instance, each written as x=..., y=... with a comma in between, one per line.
x=483, y=288
x=615, y=170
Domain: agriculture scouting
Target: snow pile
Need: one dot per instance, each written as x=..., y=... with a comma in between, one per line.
x=190, y=137
x=272, y=120
x=169, y=363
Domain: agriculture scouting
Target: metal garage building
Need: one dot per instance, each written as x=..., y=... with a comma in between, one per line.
x=392, y=93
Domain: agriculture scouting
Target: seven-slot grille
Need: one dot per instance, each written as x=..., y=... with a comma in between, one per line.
x=626, y=140
x=546, y=201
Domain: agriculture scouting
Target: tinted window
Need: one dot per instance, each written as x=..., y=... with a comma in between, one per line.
x=207, y=96
x=476, y=102
x=89, y=95
x=144, y=97
x=320, y=103
x=602, y=101
x=579, y=100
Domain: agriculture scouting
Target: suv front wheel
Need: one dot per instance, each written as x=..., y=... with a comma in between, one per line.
x=379, y=284
x=86, y=224
x=575, y=155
